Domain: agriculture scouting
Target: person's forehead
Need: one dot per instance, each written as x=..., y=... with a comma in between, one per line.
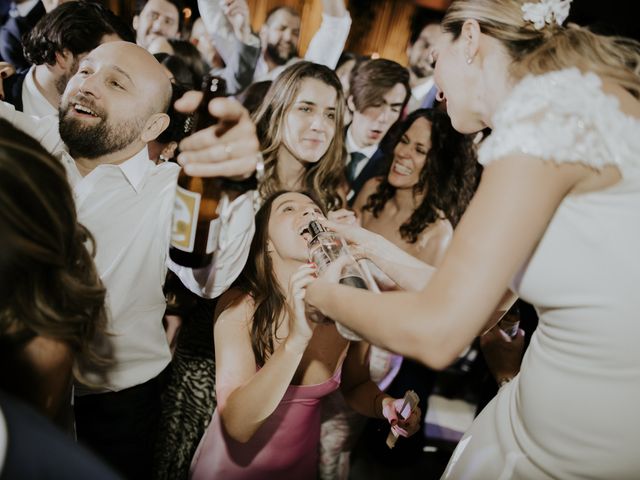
x=314, y=89
x=198, y=28
x=431, y=32
x=419, y=128
x=396, y=93
x=161, y=6
x=293, y=197
x=127, y=59
x=285, y=18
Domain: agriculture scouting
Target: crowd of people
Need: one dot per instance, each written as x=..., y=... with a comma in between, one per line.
x=497, y=170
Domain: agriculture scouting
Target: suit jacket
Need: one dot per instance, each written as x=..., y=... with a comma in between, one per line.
x=36, y=449
x=11, y=36
x=374, y=168
x=13, y=89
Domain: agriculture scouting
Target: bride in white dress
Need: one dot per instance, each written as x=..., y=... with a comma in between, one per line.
x=556, y=219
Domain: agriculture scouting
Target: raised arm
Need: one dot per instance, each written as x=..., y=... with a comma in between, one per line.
x=228, y=26
x=327, y=44
x=406, y=271
x=246, y=397
x=493, y=240
x=229, y=149
x=364, y=396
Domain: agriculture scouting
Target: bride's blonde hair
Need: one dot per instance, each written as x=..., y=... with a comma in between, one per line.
x=551, y=48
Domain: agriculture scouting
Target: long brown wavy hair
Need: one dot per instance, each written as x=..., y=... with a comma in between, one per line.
x=259, y=281
x=49, y=285
x=551, y=48
x=323, y=177
x=448, y=179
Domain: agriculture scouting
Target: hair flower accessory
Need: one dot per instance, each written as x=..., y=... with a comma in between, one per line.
x=546, y=11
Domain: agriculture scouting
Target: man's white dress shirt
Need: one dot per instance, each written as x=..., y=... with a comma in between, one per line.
x=33, y=101
x=128, y=209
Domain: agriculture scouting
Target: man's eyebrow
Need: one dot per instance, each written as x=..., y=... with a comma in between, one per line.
x=118, y=69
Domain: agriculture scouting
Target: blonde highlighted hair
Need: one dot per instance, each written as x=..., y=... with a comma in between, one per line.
x=551, y=48
x=324, y=177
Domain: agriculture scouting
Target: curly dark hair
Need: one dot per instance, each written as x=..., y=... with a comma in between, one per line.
x=449, y=177
x=49, y=285
x=74, y=26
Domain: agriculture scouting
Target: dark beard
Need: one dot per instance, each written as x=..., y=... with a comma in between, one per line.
x=274, y=54
x=94, y=141
x=421, y=72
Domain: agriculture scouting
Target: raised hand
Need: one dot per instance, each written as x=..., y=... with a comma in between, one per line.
x=343, y=216
x=227, y=149
x=300, y=328
x=237, y=11
x=403, y=423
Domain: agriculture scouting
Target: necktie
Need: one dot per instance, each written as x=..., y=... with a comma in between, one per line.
x=352, y=168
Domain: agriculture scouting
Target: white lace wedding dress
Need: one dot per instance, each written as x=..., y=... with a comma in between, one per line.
x=574, y=409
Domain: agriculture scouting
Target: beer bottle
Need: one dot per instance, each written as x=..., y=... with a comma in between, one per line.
x=195, y=225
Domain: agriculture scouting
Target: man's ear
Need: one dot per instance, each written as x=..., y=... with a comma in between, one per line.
x=156, y=124
x=350, y=104
x=136, y=22
x=64, y=59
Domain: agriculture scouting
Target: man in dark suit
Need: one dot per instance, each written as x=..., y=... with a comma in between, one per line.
x=32, y=448
x=379, y=91
x=17, y=23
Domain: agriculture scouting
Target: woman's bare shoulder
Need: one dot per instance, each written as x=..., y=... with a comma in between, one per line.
x=235, y=303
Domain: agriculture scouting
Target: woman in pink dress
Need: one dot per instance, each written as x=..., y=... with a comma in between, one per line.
x=273, y=365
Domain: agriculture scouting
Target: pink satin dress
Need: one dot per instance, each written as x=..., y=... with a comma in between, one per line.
x=285, y=446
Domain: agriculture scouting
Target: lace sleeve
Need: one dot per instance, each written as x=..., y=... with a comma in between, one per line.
x=564, y=116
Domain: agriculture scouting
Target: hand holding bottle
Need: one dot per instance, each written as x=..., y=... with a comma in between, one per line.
x=300, y=328
x=228, y=149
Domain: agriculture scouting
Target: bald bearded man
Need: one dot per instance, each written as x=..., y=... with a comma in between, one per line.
x=111, y=109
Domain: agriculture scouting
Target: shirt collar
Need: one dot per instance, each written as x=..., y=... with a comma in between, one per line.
x=353, y=147
x=36, y=100
x=134, y=169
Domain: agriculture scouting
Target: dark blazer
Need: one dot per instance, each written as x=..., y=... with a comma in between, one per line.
x=374, y=168
x=36, y=449
x=11, y=36
x=13, y=89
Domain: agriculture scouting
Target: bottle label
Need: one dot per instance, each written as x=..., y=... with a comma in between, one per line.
x=185, y=219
